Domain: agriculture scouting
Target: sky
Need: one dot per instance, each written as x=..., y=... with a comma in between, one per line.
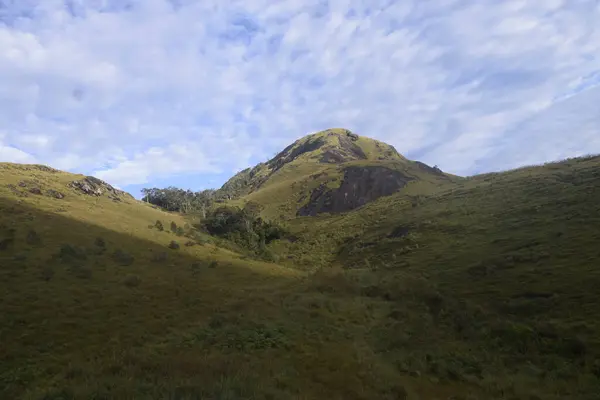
x=153, y=93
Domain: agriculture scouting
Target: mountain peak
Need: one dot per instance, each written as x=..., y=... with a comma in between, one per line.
x=310, y=154
x=336, y=145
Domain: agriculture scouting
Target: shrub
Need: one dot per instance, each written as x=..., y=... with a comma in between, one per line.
x=173, y=227
x=159, y=225
x=5, y=243
x=132, y=281
x=99, y=242
x=160, y=257
x=179, y=231
x=122, y=258
x=100, y=246
x=33, y=238
x=195, y=268
x=190, y=243
x=174, y=245
x=81, y=272
x=213, y=264
x=47, y=273
x=69, y=253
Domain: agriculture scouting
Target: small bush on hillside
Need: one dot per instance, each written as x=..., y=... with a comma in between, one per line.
x=173, y=227
x=99, y=242
x=6, y=243
x=179, y=231
x=268, y=255
x=190, y=243
x=20, y=257
x=202, y=240
x=160, y=257
x=99, y=246
x=123, y=258
x=159, y=225
x=213, y=264
x=81, y=272
x=132, y=281
x=174, y=245
x=195, y=268
x=33, y=238
x=47, y=273
x=70, y=253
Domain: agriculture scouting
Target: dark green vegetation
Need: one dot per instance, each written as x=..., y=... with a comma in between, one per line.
x=451, y=288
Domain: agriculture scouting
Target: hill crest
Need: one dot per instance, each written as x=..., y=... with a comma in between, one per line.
x=332, y=146
x=331, y=171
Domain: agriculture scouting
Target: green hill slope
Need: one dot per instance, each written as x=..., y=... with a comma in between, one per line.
x=442, y=287
x=491, y=280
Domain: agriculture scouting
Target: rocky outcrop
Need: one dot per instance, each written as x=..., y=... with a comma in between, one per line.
x=92, y=186
x=346, y=151
x=294, y=151
x=359, y=186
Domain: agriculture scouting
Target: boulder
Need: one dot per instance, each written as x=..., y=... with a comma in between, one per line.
x=92, y=186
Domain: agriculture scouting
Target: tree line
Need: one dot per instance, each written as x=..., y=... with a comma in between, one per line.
x=181, y=200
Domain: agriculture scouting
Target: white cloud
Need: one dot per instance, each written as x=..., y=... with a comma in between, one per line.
x=98, y=87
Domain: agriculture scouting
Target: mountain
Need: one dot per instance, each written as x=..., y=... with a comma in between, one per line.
x=331, y=171
x=421, y=285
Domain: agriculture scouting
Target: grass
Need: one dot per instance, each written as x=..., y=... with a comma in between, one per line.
x=484, y=287
x=502, y=276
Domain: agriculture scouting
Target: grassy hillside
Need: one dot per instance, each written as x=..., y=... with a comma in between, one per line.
x=491, y=281
x=476, y=288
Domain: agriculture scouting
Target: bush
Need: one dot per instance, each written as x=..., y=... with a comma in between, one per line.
x=174, y=245
x=195, y=268
x=132, y=281
x=160, y=257
x=190, y=243
x=5, y=243
x=69, y=253
x=99, y=242
x=173, y=227
x=47, y=273
x=100, y=246
x=179, y=231
x=33, y=238
x=122, y=258
x=81, y=272
x=159, y=225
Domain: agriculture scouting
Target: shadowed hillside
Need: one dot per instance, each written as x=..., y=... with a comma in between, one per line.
x=422, y=285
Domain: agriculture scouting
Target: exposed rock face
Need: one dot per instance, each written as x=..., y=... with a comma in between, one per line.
x=54, y=193
x=290, y=153
x=346, y=151
x=359, y=186
x=96, y=187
